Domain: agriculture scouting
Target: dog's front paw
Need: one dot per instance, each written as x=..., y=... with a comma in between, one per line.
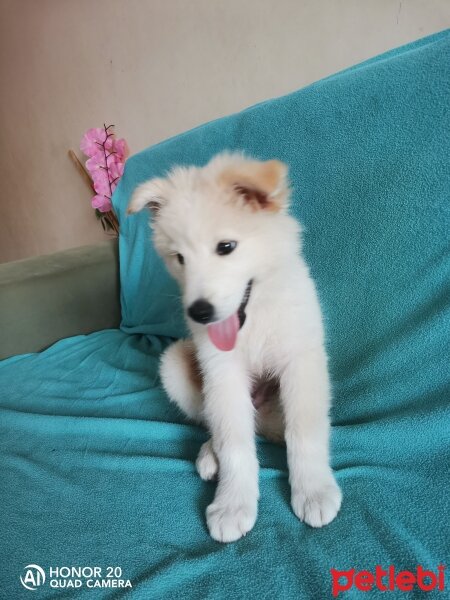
x=207, y=463
x=318, y=505
x=227, y=523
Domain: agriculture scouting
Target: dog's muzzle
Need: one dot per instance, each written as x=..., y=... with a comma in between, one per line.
x=223, y=334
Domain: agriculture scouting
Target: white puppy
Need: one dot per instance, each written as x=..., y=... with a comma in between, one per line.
x=257, y=335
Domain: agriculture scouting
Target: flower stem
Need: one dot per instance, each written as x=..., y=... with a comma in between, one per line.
x=107, y=135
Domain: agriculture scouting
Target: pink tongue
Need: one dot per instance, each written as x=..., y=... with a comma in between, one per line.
x=224, y=333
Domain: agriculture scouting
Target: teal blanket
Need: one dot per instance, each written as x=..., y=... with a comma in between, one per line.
x=97, y=468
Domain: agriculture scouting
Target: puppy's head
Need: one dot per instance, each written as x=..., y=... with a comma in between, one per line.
x=219, y=229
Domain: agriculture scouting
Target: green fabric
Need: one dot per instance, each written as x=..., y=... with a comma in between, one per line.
x=98, y=468
x=46, y=298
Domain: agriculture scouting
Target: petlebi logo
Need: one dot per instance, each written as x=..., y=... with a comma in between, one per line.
x=33, y=577
x=389, y=579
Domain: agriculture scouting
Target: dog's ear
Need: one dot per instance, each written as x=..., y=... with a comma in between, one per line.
x=262, y=185
x=148, y=195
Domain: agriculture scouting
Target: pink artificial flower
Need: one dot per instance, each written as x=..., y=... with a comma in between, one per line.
x=121, y=148
x=101, y=182
x=116, y=170
x=105, y=164
x=89, y=143
x=94, y=163
x=101, y=203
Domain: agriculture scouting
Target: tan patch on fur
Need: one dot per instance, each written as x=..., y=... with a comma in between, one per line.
x=261, y=184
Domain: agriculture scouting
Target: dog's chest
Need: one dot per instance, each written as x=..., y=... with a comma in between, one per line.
x=259, y=347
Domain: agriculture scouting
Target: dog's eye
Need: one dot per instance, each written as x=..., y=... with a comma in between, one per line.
x=180, y=258
x=225, y=248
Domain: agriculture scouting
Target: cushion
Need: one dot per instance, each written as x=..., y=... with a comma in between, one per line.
x=98, y=467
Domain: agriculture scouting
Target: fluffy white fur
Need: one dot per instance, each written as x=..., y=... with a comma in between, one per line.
x=235, y=198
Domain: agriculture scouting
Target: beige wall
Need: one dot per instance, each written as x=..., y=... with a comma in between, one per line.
x=155, y=68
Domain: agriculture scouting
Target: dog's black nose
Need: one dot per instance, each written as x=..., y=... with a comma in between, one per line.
x=201, y=311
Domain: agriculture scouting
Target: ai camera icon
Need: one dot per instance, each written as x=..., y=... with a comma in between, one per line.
x=33, y=577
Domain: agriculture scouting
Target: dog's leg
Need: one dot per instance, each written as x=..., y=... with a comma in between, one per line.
x=180, y=375
x=305, y=395
x=229, y=413
x=207, y=464
x=181, y=378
